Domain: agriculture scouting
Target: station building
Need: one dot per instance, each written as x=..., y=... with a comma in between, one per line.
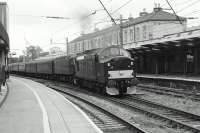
x=177, y=53
x=4, y=41
x=147, y=26
x=159, y=41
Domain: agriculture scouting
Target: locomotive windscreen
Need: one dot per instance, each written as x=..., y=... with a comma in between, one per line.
x=111, y=52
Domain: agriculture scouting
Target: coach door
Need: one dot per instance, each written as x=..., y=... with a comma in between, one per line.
x=190, y=60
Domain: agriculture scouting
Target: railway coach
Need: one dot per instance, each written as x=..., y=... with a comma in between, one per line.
x=64, y=68
x=30, y=69
x=108, y=70
x=45, y=68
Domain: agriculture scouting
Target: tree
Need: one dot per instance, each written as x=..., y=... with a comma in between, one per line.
x=32, y=52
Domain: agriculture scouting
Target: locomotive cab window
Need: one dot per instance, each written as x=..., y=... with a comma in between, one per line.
x=109, y=53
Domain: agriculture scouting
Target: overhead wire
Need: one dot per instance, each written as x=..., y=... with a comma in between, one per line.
x=102, y=19
x=112, y=13
x=152, y=16
x=191, y=4
x=123, y=5
x=126, y=3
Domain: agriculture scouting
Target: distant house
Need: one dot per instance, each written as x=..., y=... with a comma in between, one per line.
x=43, y=54
x=55, y=51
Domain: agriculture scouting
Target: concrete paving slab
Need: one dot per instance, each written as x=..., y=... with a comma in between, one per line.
x=3, y=94
x=20, y=113
x=30, y=101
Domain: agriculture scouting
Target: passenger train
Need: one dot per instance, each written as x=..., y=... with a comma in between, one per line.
x=108, y=70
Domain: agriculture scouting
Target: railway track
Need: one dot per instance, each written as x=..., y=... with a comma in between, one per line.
x=177, y=118
x=172, y=117
x=171, y=91
x=112, y=124
x=106, y=122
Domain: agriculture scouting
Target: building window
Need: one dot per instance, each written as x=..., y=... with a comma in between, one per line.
x=137, y=34
x=119, y=38
x=111, y=39
x=150, y=36
x=125, y=36
x=131, y=35
x=91, y=44
x=144, y=32
x=115, y=38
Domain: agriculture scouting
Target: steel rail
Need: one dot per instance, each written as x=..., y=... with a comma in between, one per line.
x=170, y=91
x=132, y=125
x=153, y=113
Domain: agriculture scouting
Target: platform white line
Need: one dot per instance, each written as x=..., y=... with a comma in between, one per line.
x=44, y=112
x=83, y=113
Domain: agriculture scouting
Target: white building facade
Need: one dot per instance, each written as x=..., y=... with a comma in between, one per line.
x=148, y=26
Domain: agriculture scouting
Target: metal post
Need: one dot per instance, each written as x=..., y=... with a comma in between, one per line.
x=67, y=47
x=121, y=32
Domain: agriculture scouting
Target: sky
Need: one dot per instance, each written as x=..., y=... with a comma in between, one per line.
x=27, y=26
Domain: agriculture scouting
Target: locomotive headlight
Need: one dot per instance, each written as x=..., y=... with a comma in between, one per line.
x=131, y=63
x=108, y=64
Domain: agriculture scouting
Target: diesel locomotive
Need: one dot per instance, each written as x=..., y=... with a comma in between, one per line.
x=108, y=70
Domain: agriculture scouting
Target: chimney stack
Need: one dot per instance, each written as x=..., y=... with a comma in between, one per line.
x=143, y=13
x=157, y=8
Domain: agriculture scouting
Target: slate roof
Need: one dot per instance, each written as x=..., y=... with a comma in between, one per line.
x=159, y=15
x=97, y=33
x=154, y=16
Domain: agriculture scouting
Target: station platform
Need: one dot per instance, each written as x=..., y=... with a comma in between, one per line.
x=170, y=81
x=171, y=77
x=31, y=107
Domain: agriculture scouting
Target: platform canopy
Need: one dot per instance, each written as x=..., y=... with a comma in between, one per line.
x=182, y=39
x=4, y=39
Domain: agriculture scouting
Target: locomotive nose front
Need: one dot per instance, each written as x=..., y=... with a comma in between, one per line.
x=121, y=75
x=120, y=67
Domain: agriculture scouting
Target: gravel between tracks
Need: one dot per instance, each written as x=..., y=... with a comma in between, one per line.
x=185, y=104
x=104, y=121
x=145, y=122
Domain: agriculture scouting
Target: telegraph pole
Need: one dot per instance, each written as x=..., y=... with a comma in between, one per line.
x=121, y=32
x=67, y=46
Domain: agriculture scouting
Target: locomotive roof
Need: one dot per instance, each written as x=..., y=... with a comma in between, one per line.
x=96, y=51
x=92, y=51
x=40, y=61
